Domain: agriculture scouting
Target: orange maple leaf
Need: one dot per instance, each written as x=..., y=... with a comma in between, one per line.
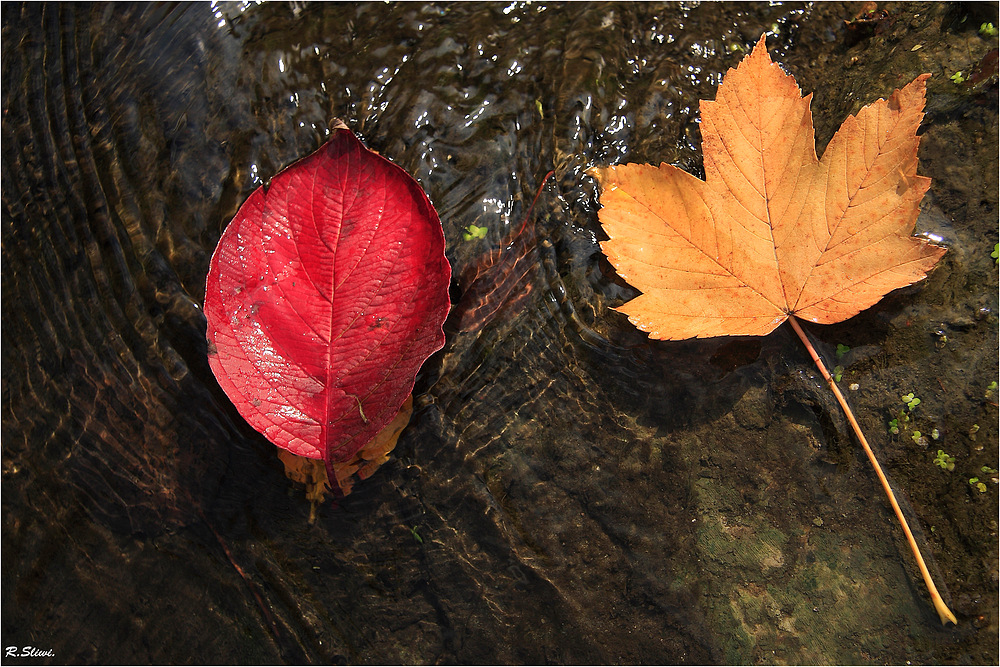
x=772, y=231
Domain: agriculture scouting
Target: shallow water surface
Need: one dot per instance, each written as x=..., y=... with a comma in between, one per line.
x=567, y=491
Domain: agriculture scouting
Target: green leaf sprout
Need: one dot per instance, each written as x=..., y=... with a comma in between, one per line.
x=942, y=460
x=474, y=232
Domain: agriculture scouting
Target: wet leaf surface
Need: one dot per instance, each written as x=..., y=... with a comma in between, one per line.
x=772, y=231
x=325, y=295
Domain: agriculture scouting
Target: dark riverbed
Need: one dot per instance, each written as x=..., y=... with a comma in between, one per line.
x=567, y=490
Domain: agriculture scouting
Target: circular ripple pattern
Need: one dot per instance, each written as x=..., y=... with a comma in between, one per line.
x=567, y=491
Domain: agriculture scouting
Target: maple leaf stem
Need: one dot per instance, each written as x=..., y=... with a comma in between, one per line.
x=939, y=605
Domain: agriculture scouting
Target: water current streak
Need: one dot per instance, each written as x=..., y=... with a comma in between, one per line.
x=501, y=280
x=87, y=294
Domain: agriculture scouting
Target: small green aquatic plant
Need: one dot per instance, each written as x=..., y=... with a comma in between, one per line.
x=990, y=388
x=957, y=77
x=943, y=461
x=474, y=232
x=909, y=403
x=987, y=29
x=838, y=371
x=996, y=252
x=974, y=482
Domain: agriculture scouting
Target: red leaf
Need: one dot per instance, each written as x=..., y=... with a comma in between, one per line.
x=326, y=293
